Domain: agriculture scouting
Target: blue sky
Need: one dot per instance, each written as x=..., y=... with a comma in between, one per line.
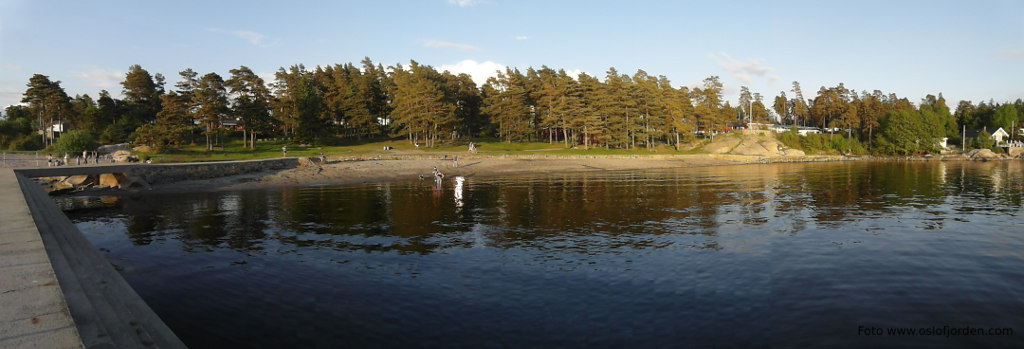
x=967, y=50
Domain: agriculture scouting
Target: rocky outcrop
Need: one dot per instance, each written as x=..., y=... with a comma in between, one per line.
x=722, y=144
x=982, y=154
x=761, y=144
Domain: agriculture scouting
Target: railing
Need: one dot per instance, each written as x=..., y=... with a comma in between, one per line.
x=39, y=158
x=19, y=159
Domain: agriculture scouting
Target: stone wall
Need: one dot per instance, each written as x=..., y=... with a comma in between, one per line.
x=1016, y=152
x=168, y=173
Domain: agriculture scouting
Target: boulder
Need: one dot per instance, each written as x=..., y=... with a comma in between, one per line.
x=133, y=182
x=79, y=181
x=794, y=153
x=58, y=188
x=309, y=161
x=111, y=180
x=109, y=149
x=124, y=156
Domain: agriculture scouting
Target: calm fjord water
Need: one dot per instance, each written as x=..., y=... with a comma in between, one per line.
x=783, y=255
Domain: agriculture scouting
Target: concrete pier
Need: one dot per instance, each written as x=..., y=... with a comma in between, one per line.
x=56, y=289
x=33, y=313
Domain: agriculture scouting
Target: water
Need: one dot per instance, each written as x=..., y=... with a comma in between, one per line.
x=786, y=255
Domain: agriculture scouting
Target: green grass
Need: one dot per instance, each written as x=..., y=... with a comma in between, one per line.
x=232, y=149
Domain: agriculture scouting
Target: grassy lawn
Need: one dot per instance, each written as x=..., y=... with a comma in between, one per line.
x=233, y=150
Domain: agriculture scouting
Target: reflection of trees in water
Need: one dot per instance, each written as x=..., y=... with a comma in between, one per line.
x=578, y=213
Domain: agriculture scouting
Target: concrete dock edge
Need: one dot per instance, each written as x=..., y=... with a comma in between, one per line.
x=56, y=289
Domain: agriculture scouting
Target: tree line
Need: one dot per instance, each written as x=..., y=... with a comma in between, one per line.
x=344, y=102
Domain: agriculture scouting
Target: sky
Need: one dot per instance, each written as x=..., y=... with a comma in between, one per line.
x=966, y=50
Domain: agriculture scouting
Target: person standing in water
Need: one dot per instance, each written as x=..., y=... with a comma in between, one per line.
x=438, y=176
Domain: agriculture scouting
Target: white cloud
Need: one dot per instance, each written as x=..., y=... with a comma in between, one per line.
x=9, y=95
x=445, y=44
x=743, y=71
x=253, y=38
x=480, y=71
x=250, y=36
x=574, y=74
x=522, y=37
x=108, y=80
x=463, y=3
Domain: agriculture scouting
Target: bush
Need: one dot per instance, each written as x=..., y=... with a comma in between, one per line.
x=985, y=141
x=27, y=142
x=75, y=141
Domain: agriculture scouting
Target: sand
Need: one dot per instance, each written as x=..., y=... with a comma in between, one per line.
x=338, y=172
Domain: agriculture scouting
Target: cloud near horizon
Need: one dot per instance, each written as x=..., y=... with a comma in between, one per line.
x=446, y=44
x=743, y=71
x=463, y=3
x=103, y=79
x=480, y=71
x=253, y=38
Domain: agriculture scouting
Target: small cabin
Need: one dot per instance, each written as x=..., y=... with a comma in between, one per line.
x=1000, y=135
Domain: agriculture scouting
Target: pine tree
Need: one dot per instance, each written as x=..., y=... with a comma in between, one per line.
x=800, y=109
x=251, y=102
x=47, y=101
x=211, y=105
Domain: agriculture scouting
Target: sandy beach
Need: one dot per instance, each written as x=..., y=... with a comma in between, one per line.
x=339, y=172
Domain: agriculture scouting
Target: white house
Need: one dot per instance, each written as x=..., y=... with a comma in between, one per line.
x=1000, y=135
x=801, y=130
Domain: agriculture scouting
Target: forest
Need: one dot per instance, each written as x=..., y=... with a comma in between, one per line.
x=349, y=103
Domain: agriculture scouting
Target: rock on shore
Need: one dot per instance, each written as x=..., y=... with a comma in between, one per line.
x=760, y=144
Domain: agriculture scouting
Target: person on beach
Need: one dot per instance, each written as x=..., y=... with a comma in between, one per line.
x=456, y=161
x=66, y=158
x=49, y=160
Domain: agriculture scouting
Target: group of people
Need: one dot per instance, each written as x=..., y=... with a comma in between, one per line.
x=52, y=161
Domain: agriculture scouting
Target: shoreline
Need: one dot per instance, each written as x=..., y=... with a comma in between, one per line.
x=344, y=171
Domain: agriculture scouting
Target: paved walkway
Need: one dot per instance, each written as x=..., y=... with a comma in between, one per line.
x=33, y=312
x=56, y=289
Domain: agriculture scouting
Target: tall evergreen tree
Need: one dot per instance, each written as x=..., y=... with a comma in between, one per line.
x=251, y=102
x=800, y=109
x=211, y=105
x=47, y=101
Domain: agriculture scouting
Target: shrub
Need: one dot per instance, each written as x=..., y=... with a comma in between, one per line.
x=27, y=142
x=75, y=141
